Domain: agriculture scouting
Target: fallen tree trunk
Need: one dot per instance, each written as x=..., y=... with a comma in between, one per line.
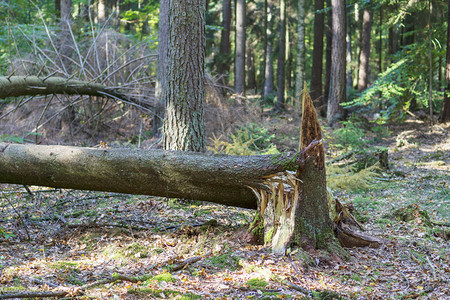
x=288, y=190
x=15, y=86
x=221, y=179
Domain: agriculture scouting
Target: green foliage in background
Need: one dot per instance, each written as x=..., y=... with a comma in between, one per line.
x=249, y=139
x=404, y=85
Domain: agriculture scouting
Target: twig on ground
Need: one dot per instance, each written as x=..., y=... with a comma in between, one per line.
x=63, y=291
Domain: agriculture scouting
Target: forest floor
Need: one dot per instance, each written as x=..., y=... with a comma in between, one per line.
x=140, y=247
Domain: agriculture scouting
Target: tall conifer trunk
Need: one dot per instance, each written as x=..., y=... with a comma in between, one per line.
x=239, y=80
x=163, y=34
x=268, y=70
x=300, y=78
x=338, y=63
x=317, y=63
x=363, y=80
x=183, y=127
x=445, y=115
x=281, y=71
x=225, y=47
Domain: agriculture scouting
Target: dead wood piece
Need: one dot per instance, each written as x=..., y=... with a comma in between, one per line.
x=185, y=263
x=74, y=291
x=351, y=239
x=223, y=179
x=45, y=294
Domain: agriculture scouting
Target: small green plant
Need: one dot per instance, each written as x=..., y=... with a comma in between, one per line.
x=247, y=140
x=18, y=139
x=6, y=234
x=224, y=261
x=163, y=277
x=256, y=283
x=350, y=136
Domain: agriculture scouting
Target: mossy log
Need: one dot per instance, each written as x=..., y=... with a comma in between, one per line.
x=223, y=179
x=288, y=190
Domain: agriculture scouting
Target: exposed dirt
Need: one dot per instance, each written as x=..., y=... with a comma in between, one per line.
x=65, y=238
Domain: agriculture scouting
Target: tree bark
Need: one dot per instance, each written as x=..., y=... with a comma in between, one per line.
x=317, y=59
x=15, y=86
x=329, y=38
x=101, y=11
x=163, y=45
x=338, y=63
x=293, y=208
x=251, y=79
x=183, y=127
x=225, y=46
x=216, y=178
x=239, y=77
x=445, y=114
x=364, y=57
x=281, y=57
x=66, y=43
x=300, y=78
x=268, y=70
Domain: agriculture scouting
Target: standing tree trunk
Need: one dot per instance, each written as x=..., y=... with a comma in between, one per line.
x=225, y=46
x=66, y=42
x=184, y=94
x=349, y=56
x=57, y=9
x=239, y=79
x=329, y=36
x=101, y=11
x=268, y=70
x=363, y=80
x=163, y=45
x=300, y=78
x=445, y=115
x=281, y=57
x=338, y=63
x=251, y=79
x=317, y=59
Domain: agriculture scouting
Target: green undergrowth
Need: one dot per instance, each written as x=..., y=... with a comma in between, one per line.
x=344, y=177
x=162, y=294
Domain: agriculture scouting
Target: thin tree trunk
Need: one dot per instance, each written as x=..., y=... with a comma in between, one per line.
x=225, y=46
x=268, y=70
x=329, y=38
x=251, y=79
x=445, y=114
x=184, y=94
x=317, y=56
x=66, y=42
x=239, y=83
x=380, y=41
x=430, y=63
x=102, y=11
x=349, y=57
x=300, y=72
x=337, y=82
x=363, y=80
x=163, y=48
x=58, y=9
x=281, y=57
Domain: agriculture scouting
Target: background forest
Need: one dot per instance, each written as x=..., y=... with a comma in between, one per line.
x=378, y=72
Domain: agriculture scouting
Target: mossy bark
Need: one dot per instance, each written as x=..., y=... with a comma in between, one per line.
x=223, y=179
